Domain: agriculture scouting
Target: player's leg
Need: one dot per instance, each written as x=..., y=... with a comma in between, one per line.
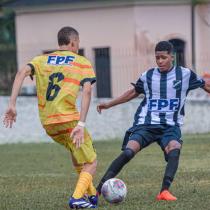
x=85, y=179
x=131, y=149
x=84, y=182
x=91, y=191
x=173, y=152
x=172, y=146
x=139, y=138
x=85, y=155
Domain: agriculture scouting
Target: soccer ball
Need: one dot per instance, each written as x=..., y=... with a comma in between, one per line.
x=114, y=190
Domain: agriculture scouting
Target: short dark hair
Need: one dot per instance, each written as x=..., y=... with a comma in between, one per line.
x=164, y=46
x=64, y=35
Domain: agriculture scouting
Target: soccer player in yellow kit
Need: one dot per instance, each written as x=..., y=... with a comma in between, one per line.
x=59, y=76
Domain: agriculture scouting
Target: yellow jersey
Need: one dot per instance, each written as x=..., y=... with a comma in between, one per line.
x=59, y=76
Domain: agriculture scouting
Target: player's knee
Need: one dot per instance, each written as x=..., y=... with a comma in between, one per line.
x=128, y=154
x=175, y=153
x=90, y=167
x=94, y=163
x=172, y=146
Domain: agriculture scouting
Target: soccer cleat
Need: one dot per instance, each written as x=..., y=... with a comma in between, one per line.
x=165, y=195
x=80, y=203
x=93, y=199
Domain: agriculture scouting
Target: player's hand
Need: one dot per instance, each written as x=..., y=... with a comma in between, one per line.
x=10, y=116
x=102, y=106
x=78, y=136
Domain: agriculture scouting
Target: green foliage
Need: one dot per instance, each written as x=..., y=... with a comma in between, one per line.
x=7, y=28
x=40, y=176
x=7, y=51
x=200, y=1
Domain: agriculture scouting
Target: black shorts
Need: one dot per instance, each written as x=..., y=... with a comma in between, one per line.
x=147, y=134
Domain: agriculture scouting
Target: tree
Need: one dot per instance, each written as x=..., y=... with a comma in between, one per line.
x=8, y=64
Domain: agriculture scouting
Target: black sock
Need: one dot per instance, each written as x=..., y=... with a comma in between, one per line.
x=116, y=166
x=171, y=168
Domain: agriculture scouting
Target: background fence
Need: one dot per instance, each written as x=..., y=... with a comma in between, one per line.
x=110, y=124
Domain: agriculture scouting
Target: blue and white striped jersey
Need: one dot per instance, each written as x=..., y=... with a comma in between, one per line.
x=165, y=95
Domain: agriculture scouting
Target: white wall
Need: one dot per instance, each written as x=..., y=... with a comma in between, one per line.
x=110, y=124
x=156, y=23
x=202, y=35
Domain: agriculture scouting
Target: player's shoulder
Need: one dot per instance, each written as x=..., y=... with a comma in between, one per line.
x=38, y=59
x=83, y=60
x=185, y=70
x=147, y=72
x=150, y=71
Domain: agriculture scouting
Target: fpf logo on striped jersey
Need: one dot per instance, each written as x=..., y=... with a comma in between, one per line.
x=166, y=105
x=60, y=60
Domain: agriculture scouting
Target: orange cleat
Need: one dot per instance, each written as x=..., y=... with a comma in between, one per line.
x=165, y=195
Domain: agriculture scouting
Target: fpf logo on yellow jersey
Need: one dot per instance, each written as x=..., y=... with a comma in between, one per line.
x=60, y=60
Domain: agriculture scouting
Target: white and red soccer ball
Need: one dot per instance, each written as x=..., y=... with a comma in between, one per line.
x=114, y=190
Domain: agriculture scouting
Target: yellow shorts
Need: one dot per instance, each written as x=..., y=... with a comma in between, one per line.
x=61, y=134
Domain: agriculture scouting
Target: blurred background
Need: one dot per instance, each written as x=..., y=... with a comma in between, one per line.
x=118, y=37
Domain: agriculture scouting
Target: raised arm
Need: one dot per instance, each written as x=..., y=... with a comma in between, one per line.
x=10, y=114
x=125, y=97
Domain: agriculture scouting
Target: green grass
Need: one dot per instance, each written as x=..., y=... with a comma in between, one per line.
x=40, y=176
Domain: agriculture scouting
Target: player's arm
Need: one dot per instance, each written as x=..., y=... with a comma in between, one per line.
x=198, y=82
x=125, y=97
x=78, y=132
x=85, y=103
x=207, y=85
x=10, y=114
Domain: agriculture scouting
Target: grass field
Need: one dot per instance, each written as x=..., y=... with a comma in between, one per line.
x=40, y=176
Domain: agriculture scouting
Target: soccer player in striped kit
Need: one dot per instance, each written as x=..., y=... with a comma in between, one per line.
x=159, y=116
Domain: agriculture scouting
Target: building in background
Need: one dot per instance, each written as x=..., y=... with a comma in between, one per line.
x=117, y=36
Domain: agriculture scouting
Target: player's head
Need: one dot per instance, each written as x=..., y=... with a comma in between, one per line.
x=164, y=55
x=68, y=38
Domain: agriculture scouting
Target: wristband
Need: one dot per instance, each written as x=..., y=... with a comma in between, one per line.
x=82, y=124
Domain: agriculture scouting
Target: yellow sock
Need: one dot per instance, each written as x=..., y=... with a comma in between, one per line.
x=83, y=183
x=91, y=189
